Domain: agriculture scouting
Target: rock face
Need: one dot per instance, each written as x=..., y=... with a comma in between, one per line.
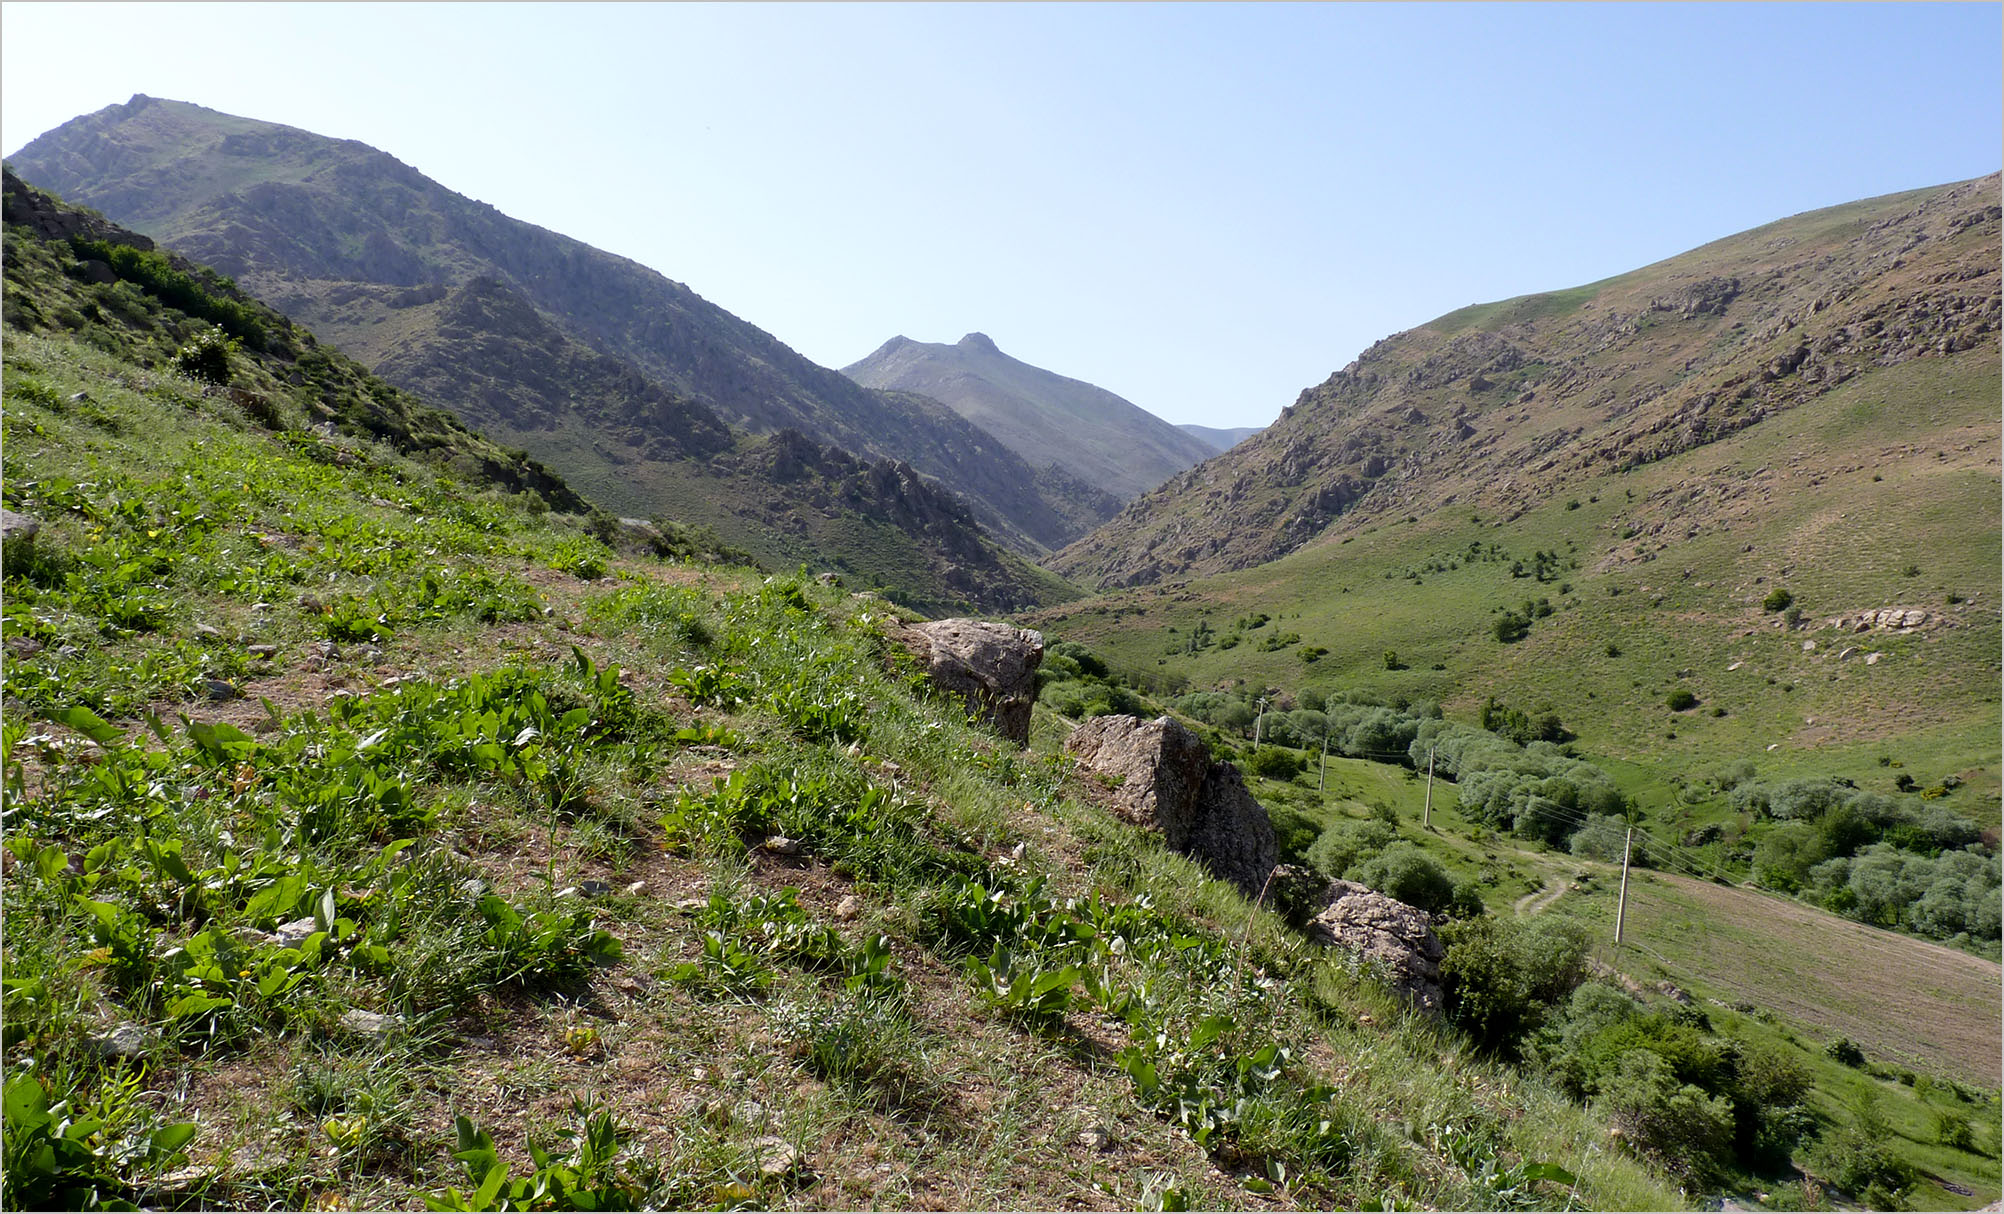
x=1167, y=781
x=1395, y=939
x=993, y=667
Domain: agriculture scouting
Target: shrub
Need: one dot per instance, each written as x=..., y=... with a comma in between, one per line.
x=1503, y=978
x=1511, y=627
x=1682, y=699
x=1676, y=1124
x=1276, y=763
x=207, y=358
x=1346, y=845
x=1777, y=599
x=1846, y=1051
x=1407, y=873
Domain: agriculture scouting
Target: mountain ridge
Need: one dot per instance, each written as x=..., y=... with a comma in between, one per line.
x=340, y=235
x=1047, y=418
x=1498, y=405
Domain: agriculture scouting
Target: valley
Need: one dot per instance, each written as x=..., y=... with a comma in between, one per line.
x=503, y=782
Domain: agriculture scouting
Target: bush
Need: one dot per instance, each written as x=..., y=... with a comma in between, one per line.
x=1675, y=1124
x=1846, y=1051
x=1346, y=845
x=1777, y=599
x=1276, y=763
x=1405, y=872
x=1859, y=1159
x=1511, y=627
x=1503, y=979
x=1682, y=699
x=207, y=358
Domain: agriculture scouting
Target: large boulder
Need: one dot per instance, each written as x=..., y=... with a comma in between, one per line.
x=1394, y=940
x=992, y=667
x=1163, y=778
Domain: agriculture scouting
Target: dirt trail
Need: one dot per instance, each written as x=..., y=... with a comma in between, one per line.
x=1538, y=900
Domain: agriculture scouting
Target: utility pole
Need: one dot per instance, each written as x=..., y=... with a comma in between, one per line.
x=1621, y=903
x=1322, y=780
x=1259, y=720
x=1426, y=815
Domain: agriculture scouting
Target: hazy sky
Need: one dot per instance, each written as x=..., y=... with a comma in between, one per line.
x=1205, y=208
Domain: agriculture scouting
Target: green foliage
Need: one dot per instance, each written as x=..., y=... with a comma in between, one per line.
x=1503, y=979
x=1673, y=1123
x=1777, y=599
x=1682, y=700
x=1846, y=1051
x=153, y=273
x=1859, y=1159
x=207, y=358
x=581, y=1168
x=1276, y=763
x=74, y=1149
x=1407, y=873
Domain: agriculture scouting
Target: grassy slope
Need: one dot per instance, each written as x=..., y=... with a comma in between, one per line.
x=1799, y=508
x=150, y=487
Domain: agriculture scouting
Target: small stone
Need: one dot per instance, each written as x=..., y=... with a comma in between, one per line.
x=221, y=689
x=568, y=891
x=637, y=888
x=208, y=631
x=262, y=651
x=1735, y=666
x=776, y=1156
x=1098, y=1138
x=592, y=889
x=368, y=1024
x=780, y=845
x=253, y=938
x=848, y=908
x=78, y=398
x=690, y=906
x=125, y=1041
x=473, y=887
x=294, y=934
x=1845, y=653
x=1809, y=647
x=1872, y=659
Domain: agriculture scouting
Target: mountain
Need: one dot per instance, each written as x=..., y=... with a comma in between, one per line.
x=1498, y=407
x=782, y=499
x=364, y=249
x=1219, y=440
x=1044, y=417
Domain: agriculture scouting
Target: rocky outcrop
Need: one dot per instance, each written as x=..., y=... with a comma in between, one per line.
x=1164, y=779
x=992, y=667
x=1389, y=937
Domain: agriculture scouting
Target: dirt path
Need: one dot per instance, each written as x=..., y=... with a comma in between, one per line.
x=1538, y=900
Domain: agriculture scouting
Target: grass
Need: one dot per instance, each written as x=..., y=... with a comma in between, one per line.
x=458, y=807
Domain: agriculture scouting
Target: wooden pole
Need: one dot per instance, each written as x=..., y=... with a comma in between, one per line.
x=1426, y=815
x=1322, y=779
x=1259, y=720
x=1621, y=903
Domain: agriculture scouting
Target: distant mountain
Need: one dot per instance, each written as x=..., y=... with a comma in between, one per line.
x=365, y=249
x=1498, y=407
x=1044, y=417
x=782, y=499
x=1219, y=440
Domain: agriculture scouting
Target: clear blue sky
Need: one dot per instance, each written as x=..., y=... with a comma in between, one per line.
x=1204, y=208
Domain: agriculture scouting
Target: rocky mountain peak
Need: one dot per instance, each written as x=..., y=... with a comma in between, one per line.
x=980, y=342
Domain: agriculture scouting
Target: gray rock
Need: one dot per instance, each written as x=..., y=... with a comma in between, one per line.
x=1164, y=779
x=294, y=934
x=776, y=1157
x=221, y=689
x=262, y=651
x=780, y=845
x=17, y=539
x=1394, y=939
x=993, y=667
x=368, y=1024
x=125, y=1041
